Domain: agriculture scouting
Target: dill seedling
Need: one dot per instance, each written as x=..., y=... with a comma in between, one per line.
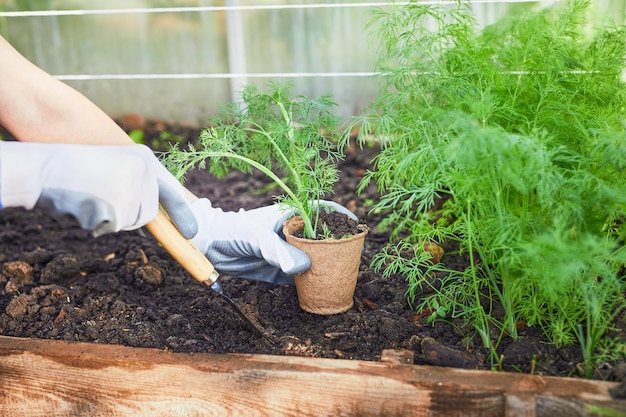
x=510, y=141
x=291, y=140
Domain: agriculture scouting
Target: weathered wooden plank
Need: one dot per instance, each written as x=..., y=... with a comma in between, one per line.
x=57, y=378
x=566, y=407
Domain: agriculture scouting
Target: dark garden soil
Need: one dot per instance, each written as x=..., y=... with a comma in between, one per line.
x=339, y=226
x=58, y=282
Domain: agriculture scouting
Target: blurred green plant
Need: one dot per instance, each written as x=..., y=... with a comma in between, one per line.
x=137, y=136
x=159, y=143
x=166, y=139
x=510, y=141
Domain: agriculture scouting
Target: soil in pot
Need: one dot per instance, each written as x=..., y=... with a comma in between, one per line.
x=327, y=287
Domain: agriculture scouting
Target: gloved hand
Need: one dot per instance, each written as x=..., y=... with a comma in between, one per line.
x=105, y=188
x=249, y=244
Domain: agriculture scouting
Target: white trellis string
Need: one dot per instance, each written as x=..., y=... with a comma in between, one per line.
x=86, y=77
x=33, y=13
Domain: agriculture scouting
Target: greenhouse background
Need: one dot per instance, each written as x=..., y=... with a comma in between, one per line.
x=178, y=60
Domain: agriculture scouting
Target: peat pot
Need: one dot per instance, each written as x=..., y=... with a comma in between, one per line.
x=327, y=287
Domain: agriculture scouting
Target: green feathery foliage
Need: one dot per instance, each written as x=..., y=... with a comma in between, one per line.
x=511, y=141
x=291, y=140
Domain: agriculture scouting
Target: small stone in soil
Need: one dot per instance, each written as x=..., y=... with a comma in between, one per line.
x=19, y=272
x=37, y=256
x=150, y=274
x=63, y=268
x=103, y=282
x=18, y=306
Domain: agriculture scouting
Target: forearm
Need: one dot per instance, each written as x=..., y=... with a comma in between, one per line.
x=36, y=107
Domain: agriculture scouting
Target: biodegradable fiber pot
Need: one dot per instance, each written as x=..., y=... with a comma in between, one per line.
x=328, y=286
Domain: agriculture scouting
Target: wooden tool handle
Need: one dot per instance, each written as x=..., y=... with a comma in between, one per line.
x=182, y=250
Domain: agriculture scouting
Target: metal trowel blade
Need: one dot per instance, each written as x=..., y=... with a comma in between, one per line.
x=253, y=323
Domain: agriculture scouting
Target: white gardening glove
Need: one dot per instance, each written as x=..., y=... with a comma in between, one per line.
x=105, y=188
x=249, y=244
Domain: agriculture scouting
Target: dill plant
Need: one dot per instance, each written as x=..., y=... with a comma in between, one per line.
x=510, y=141
x=291, y=140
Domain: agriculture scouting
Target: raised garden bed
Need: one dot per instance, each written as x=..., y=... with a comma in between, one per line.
x=124, y=290
x=43, y=378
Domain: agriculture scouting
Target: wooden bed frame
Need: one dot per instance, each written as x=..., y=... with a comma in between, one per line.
x=58, y=378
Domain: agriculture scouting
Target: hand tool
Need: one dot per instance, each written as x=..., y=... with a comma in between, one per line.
x=196, y=264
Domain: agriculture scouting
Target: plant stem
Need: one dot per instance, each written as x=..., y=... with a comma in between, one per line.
x=291, y=135
x=308, y=226
x=281, y=155
x=481, y=322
